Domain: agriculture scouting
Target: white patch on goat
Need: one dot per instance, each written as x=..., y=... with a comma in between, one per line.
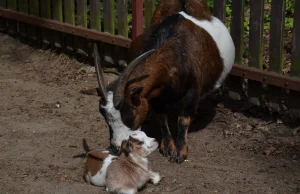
x=222, y=37
x=99, y=178
x=121, y=131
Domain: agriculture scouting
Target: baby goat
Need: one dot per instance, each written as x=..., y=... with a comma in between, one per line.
x=193, y=54
x=125, y=173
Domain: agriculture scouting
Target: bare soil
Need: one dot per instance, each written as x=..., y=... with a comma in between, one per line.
x=44, y=119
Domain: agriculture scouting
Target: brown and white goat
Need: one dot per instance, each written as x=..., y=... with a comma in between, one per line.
x=194, y=53
x=125, y=173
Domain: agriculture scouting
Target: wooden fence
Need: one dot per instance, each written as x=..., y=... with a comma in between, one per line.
x=71, y=24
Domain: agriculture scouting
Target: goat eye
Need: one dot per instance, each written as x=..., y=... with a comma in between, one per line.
x=141, y=143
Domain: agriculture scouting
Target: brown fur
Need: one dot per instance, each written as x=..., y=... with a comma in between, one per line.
x=94, y=161
x=164, y=73
x=187, y=64
x=165, y=8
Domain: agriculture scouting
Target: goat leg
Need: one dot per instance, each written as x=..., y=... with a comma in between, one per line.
x=188, y=107
x=167, y=146
x=181, y=143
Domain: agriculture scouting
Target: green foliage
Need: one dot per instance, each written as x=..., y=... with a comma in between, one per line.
x=289, y=14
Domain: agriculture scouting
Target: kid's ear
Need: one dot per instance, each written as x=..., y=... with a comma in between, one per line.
x=125, y=147
x=135, y=96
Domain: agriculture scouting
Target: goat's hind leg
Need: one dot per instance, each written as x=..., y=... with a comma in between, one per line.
x=167, y=146
x=188, y=107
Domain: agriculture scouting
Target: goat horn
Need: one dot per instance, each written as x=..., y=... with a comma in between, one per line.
x=101, y=90
x=119, y=92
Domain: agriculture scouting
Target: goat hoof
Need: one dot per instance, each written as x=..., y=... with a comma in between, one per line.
x=167, y=148
x=179, y=160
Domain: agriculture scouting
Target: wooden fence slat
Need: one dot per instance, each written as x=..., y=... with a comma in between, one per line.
x=234, y=83
x=219, y=9
x=149, y=9
x=274, y=94
x=58, y=16
x=137, y=18
x=69, y=14
x=46, y=13
x=276, y=35
x=23, y=7
x=3, y=24
x=122, y=18
x=34, y=10
x=295, y=69
x=109, y=27
x=12, y=25
x=122, y=28
x=95, y=16
x=255, y=89
x=237, y=28
x=109, y=16
x=81, y=21
x=256, y=33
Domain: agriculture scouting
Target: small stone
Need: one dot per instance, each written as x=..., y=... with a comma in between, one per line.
x=209, y=151
x=72, y=146
x=279, y=121
x=236, y=115
x=247, y=134
x=295, y=131
x=238, y=126
x=248, y=127
x=33, y=132
x=294, y=157
x=269, y=150
x=58, y=104
x=270, y=141
x=220, y=105
x=228, y=132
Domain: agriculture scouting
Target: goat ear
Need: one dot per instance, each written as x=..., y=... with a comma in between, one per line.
x=135, y=96
x=125, y=147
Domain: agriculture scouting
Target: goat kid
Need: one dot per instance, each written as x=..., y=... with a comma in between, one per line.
x=185, y=56
x=125, y=173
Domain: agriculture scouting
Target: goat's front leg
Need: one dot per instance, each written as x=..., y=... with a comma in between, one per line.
x=188, y=107
x=167, y=146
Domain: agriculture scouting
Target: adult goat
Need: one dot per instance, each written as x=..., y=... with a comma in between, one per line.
x=194, y=53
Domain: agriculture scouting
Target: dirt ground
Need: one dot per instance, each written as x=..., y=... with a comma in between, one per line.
x=44, y=119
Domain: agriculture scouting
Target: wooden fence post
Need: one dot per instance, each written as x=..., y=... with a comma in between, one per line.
x=23, y=7
x=137, y=18
x=81, y=21
x=276, y=35
x=46, y=13
x=275, y=94
x=219, y=9
x=255, y=88
x=69, y=13
x=33, y=6
x=149, y=9
x=295, y=69
x=12, y=25
x=58, y=16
